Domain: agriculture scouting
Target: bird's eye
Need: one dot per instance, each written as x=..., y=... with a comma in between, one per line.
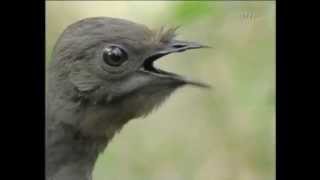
x=114, y=56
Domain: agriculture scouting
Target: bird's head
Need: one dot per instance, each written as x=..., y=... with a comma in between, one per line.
x=110, y=61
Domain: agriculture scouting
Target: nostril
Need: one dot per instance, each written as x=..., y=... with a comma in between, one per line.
x=179, y=45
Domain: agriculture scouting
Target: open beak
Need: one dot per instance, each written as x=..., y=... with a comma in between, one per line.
x=173, y=47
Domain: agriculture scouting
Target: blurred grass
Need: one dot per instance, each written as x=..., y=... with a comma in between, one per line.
x=227, y=133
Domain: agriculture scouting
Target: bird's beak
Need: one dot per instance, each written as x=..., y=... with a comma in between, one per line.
x=175, y=46
x=180, y=46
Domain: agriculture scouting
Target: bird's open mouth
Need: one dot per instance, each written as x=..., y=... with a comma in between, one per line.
x=176, y=46
x=148, y=66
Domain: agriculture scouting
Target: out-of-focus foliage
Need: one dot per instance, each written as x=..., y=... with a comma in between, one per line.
x=190, y=11
x=226, y=133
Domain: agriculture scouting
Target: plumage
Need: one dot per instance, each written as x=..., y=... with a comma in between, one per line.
x=89, y=99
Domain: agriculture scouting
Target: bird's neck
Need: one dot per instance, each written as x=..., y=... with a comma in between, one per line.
x=70, y=156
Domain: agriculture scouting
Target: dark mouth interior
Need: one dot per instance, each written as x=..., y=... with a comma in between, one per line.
x=149, y=66
x=148, y=63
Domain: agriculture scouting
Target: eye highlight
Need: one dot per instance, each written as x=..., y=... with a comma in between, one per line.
x=114, y=56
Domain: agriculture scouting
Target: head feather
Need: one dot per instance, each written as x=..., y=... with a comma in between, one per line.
x=165, y=35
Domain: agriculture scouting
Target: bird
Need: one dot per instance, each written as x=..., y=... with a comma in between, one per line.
x=102, y=75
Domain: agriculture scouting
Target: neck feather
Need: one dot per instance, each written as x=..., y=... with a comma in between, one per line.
x=70, y=156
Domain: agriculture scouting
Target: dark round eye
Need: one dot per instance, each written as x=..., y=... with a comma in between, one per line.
x=114, y=56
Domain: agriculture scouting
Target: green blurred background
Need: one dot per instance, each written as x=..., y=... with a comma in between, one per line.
x=226, y=133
